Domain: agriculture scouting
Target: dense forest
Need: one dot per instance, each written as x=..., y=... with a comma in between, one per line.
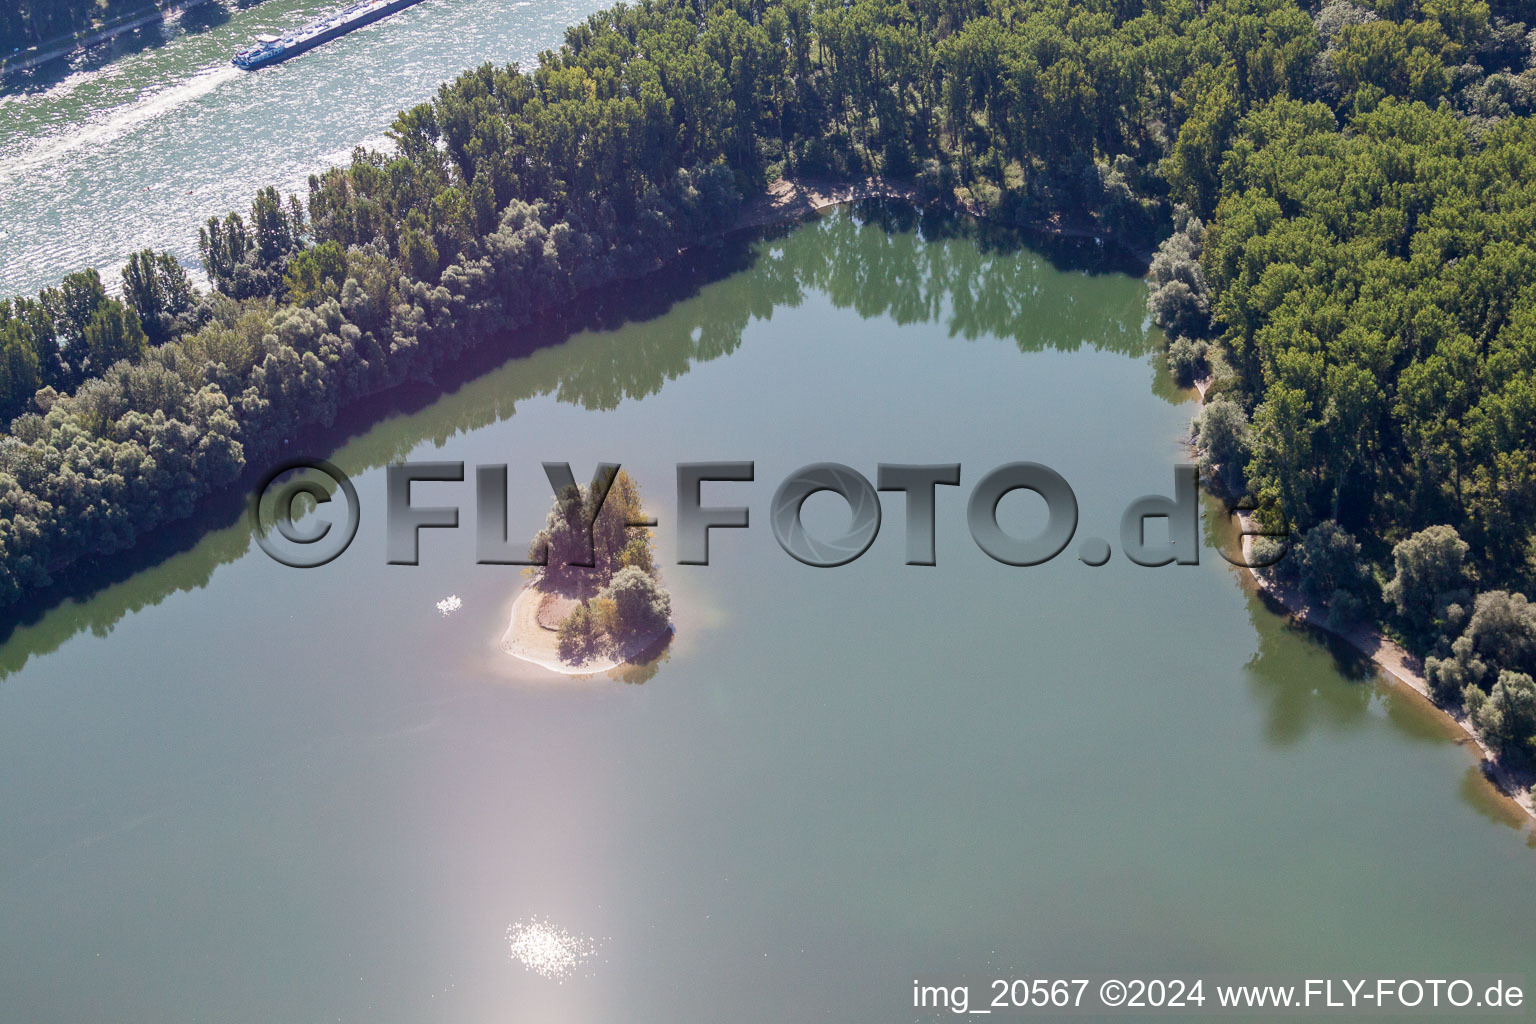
x=1343, y=192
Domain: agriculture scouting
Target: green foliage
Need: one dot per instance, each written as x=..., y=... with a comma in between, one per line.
x=247, y=258
x=616, y=544
x=224, y=245
x=316, y=274
x=70, y=307
x=637, y=555
x=1507, y=717
x=160, y=293
x=1180, y=297
x=605, y=619
x=579, y=638
x=1224, y=437
x=644, y=608
x=1431, y=578
x=564, y=541
x=20, y=372
x=419, y=255
x=1186, y=359
x=630, y=604
x=114, y=333
x=1373, y=288
x=1194, y=167
x=1352, y=258
x=1330, y=571
x=1500, y=635
x=1388, y=58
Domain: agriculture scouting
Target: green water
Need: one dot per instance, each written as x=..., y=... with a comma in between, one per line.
x=239, y=792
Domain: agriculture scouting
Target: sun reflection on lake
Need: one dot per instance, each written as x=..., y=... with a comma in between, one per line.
x=547, y=950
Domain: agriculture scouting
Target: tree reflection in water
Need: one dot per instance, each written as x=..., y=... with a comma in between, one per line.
x=878, y=258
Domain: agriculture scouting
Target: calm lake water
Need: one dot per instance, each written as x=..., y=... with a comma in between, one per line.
x=140, y=141
x=239, y=792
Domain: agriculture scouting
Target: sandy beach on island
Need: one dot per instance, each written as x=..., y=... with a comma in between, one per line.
x=525, y=638
x=529, y=639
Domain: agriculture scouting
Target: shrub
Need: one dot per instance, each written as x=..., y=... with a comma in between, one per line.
x=579, y=637
x=1501, y=634
x=1274, y=557
x=1180, y=298
x=1507, y=718
x=1186, y=359
x=1329, y=570
x=643, y=608
x=1431, y=577
x=1224, y=437
x=637, y=554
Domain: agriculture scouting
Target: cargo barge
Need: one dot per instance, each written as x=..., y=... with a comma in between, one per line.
x=276, y=49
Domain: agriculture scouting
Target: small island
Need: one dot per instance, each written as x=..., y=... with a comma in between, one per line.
x=592, y=608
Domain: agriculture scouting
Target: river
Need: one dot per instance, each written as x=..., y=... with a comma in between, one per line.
x=138, y=142
x=241, y=792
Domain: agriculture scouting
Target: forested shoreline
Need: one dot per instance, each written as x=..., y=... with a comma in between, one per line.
x=1348, y=189
x=29, y=23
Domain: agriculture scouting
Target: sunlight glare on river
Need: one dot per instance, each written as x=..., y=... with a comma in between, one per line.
x=100, y=158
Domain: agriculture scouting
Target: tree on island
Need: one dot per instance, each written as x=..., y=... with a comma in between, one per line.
x=579, y=638
x=623, y=603
x=642, y=607
x=571, y=558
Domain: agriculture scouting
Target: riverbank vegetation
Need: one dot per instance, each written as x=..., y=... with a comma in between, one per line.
x=30, y=22
x=1344, y=189
x=27, y=23
x=1356, y=271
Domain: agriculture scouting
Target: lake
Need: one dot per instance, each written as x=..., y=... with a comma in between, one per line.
x=242, y=792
